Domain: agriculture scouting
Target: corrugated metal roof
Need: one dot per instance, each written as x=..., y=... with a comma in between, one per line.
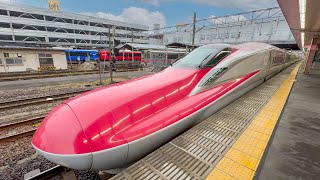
x=31, y=48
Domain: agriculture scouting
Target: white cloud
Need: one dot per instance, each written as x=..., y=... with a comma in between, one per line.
x=134, y=15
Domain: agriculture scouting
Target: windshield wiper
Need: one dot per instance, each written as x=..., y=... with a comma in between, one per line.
x=204, y=60
x=175, y=61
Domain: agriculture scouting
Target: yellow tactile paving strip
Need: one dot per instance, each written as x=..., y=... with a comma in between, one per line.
x=243, y=158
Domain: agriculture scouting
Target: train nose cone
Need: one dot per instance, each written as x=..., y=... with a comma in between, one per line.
x=60, y=139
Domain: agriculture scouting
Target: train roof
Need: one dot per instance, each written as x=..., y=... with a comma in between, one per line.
x=215, y=46
x=143, y=46
x=254, y=46
x=243, y=46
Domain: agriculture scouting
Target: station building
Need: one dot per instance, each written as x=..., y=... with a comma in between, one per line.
x=17, y=59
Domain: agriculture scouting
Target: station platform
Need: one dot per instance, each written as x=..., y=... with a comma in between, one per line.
x=294, y=151
x=233, y=143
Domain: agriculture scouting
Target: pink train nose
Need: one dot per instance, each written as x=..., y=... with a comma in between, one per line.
x=60, y=139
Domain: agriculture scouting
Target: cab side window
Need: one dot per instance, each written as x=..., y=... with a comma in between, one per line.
x=215, y=74
x=217, y=58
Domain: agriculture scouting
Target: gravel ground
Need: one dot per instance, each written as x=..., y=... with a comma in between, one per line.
x=17, y=171
x=14, y=151
x=84, y=175
x=19, y=157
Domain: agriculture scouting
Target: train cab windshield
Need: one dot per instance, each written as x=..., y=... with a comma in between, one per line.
x=205, y=56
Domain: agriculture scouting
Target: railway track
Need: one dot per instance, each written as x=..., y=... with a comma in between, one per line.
x=39, y=76
x=38, y=100
x=26, y=76
x=48, y=173
x=25, y=128
x=24, y=73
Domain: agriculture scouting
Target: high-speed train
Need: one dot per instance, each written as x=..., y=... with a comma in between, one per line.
x=114, y=126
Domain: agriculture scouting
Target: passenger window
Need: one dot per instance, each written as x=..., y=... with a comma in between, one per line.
x=217, y=58
x=215, y=75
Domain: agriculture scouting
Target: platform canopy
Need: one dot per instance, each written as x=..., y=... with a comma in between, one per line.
x=303, y=19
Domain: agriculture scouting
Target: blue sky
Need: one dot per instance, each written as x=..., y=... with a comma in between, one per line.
x=164, y=12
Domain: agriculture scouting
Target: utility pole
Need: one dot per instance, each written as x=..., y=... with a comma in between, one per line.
x=132, y=45
x=99, y=60
x=111, y=56
x=194, y=28
x=113, y=49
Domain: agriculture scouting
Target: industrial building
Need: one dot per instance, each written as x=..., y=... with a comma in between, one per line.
x=15, y=59
x=28, y=26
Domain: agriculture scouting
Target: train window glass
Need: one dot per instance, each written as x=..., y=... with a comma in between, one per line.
x=197, y=57
x=77, y=54
x=214, y=74
x=224, y=53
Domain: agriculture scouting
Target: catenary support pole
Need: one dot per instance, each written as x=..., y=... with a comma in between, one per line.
x=132, y=45
x=194, y=27
x=99, y=62
x=111, y=55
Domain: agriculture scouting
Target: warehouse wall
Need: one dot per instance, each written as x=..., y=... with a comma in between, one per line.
x=30, y=60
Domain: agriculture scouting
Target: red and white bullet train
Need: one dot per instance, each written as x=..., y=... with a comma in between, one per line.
x=114, y=126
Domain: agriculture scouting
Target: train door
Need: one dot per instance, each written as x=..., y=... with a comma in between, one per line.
x=269, y=61
x=128, y=56
x=275, y=63
x=266, y=63
x=284, y=59
x=145, y=56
